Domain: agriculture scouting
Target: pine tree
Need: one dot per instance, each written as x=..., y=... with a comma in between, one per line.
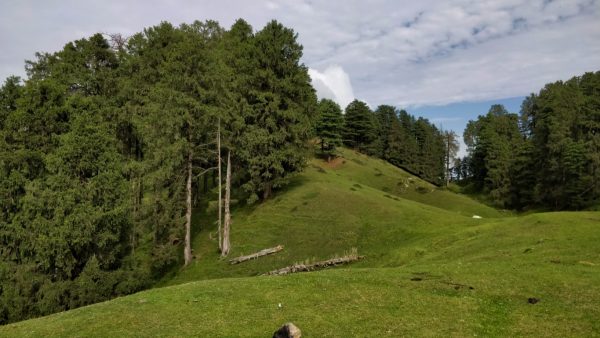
x=359, y=127
x=387, y=119
x=491, y=140
x=280, y=115
x=329, y=127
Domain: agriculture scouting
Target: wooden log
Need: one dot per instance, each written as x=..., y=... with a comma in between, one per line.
x=314, y=266
x=255, y=255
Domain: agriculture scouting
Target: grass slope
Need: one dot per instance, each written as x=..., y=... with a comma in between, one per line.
x=431, y=269
x=355, y=202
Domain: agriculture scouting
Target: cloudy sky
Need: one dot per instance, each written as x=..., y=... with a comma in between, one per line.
x=446, y=60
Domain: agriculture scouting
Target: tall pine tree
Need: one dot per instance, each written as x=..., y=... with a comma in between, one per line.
x=329, y=127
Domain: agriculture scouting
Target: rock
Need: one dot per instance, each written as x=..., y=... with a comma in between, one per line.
x=288, y=330
x=477, y=216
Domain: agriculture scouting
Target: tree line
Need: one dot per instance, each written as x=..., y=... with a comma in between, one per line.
x=547, y=156
x=110, y=143
x=414, y=144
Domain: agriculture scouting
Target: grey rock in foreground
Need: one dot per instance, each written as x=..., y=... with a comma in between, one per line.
x=288, y=330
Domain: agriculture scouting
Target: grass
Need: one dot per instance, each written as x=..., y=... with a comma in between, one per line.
x=330, y=209
x=430, y=268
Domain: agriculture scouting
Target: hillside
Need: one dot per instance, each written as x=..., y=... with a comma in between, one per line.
x=356, y=202
x=430, y=268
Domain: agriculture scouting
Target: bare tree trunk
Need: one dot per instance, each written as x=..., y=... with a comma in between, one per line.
x=139, y=194
x=187, y=251
x=352, y=257
x=447, y=159
x=227, y=222
x=205, y=184
x=220, y=180
x=255, y=255
x=267, y=191
x=135, y=212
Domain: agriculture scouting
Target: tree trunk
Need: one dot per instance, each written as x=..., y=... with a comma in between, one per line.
x=205, y=184
x=267, y=191
x=256, y=255
x=352, y=257
x=220, y=182
x=447, y=159
x=187, y=251
x=227, y=222
x=136, y=207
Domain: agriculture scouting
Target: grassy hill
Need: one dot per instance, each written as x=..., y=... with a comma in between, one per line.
x=430, y=268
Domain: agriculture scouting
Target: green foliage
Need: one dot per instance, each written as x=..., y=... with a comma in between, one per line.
x=564, y=129
x=329, y=127
x=388, y=129
x=360, y=129
x=492, y=140
x=413, y=144
x=547, y=156
x=95, y=144
x=273, y=144
x=9, y=94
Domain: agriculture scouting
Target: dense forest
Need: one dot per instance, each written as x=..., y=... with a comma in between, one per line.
x=548, y=156
x=111, y=142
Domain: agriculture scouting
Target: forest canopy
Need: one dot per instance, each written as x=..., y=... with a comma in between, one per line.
x=105, y=143
x=548, y=156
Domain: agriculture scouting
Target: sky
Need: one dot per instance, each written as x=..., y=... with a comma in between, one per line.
x=445, y=60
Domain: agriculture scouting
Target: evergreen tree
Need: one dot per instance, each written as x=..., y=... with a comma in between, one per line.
x=396, y=143
x=329, y=127
x=386, y=116
x=280, y=117
x=9, y=94
x=564, y=130
x=491, y=140
x=359, y=126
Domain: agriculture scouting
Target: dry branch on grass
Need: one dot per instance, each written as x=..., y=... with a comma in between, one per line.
x=352, y=257
x=255, y=255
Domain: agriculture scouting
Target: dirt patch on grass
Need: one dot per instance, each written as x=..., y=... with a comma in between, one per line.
x=335, y=163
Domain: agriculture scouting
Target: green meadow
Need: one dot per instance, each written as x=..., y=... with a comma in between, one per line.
x=430, y=268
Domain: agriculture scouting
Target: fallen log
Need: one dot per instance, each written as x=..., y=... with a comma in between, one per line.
x=255, y=255
x=314, y=266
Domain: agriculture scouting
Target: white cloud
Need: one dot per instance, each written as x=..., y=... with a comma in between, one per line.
x=333, y=83
x=405, y=53
x=439, y=52
x=272, y=5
